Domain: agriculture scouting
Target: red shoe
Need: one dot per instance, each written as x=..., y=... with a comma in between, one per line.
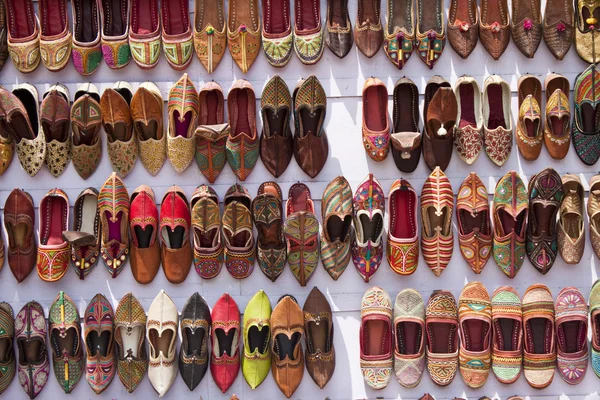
x=143, y=224
x=225, y=337
x=175, y=223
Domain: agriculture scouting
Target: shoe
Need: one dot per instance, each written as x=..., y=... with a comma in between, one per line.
x=55, y=121
x=308, y=32
x=405, y=135
x=507, y=335
x=55, y=38
x=437, y=206
x=510, y=208
x=593, y=212
x=586, y=32
x=98, y=337
x=338, y=30
x=225, y=339
x=438, y=140
x=239, y=253
x=256, y=360
x=53, y=252
x=23, y=35
x=113, y=206
x=148, y=127
x=212, y=132
x=558, y=27
x=19, y=221
x=368, y=213
x=463, y=26
x=143, y=225
x=287, y=365
x=31, y=332
x=497, y=119
x=595, y=324
x=195, y=330
x=7, y=337
x=539, y=353
x=475, y=325
x=118, y=125
x=130, y=342
x=242, y=143
x=586, y=131
x=115, y=33
x=468, y=134
x=277, y=36
x=145, y=33
x=65, y=341
x=368, y=31
x=318, y=328
x=375, y=124
x=183, y=110
x=558, y=116
x=530, y=126
x=494, y=29
x=441, y=325
x=87, y=49
x=86, y=125
x=311, y=147
x=175, y=223
x=376, y=340
x=336, y=212
x=177, y=37
x=19, y=116
x=3, y=34
x=570, y=231
x=276, y=141
x=571, y=335
x=399, y=38
x=267, y=214
x=243, y=32
x=473, y=221
x=206, y=227
x=403, y=235
x=431, y=35
x=161, y=332
x=210, y=38
x=526, y=26
x=301, y=230
x=409, y=349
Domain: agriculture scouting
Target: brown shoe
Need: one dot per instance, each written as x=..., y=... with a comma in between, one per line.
x=557, y=130
x=440, y=120
x=210, y=38
x=526, y=26
x=19, y=220
x=593, y=211
x=375, y=123
x=55, y=115
x=318, y=328
x=143, y=225
x=148, y=126
x=368, y=31
x=463, y=26
x=175, y=223
x=468, y=135
x=570, y=231
x=494, y=29
x=529, y=127
x=267, y=214
x=405, y=137
x=558, y=27
x=497, y=119
x=399, y=38
x=338, y=32
x=86, y=125
x=243, y=32
x=431, y=35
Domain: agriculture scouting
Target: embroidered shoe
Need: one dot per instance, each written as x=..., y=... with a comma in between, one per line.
x=593, y=212
x=338, y=29
x=31, y=332
x=86, y=125
x=87, y=49
x=148, y=126
x=195, y=330
x=308, y=32
x=507, y=335
x=7, y=336
x=143, y=225
x=399, y=37
x=571, y=335
x=431, y=32
x=242, y=143
x=212, y=132
x=225, y=339
x=267, y=213
x=113, y=206
x=403, y=233
x=409, y=331
x=318, y=328
x=65, y=341
x=368, y=32
x=475, y=324
x=437, y=206
x=277, y=36
x=177, y=37
x=145, y=33
x=473, y=220
x=510, y=220
x=497, y=119
x=243, y=33
x=55, y=117
x=53, y=251
x=557, y=128
x=7, y=149
x=468, y=134
x=441, y=326
x=375, y=124
x=530, y=127
x=115, y=33
x=337, y=234
x=183, y=110
x=19, y=221
x=55, y=38
x=585, y=129
x=210, y=38
x=539, y=353
x=240, y=250
x=206, y=228
x=256, y=335
x=595, y=323
x=586, y=31
x=570, y=230
x=130, y=342
x=23, y=35
x=376, y=338
x=175, y=223
x=98, y=337
x=368, y=213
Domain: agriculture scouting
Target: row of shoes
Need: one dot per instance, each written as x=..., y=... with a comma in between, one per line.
x=115, y=342
x=55, y=132
x=505, y=334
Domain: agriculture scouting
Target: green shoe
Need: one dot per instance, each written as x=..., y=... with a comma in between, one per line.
x=256, y=362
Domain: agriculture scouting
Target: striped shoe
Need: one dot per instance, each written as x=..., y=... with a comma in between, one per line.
x=437, y=205
x=441, y=325
x=403, y=235
x=183, y=110
x=409, y=349
x=595, y=318
x=571, y=335
x=507, y=334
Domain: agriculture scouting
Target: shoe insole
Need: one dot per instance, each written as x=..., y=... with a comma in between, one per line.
x=473, y=222
x=160, y=343
x=509, y=224
x=209, y=16
x=174, y=237
x=430, y=16
x=31, y=106
x=338, y=228
x=98, y=343
x=299, y=197
x=475, y=332
x=242, y=124
x=182, y=126
x=175, y=17
x=68, y=343
x=545, y=219
x=5, y=347
x=146, y=16
x=306, y=20
x=532, y=127
x=406, y=120
x=149, y=130
x=372, y=228
x=402, y=225
x=462, y=14
x=310, y=122
x=269, y=234
x=195, y=339
x=31, y=350
x=143, y=235
x=588, y=118
x=467, y=100
x=284, y=346
x=277, y=121
x=442, y=337
x=369, y=11
x=114, y=23
x=258, y=339
x=206, y=240
x=375, y=108
x=522, y=10
x=211, y=102
x=54, y=223
x=131, y=340
x=572, y=224
x=596, y=324
x=376, y=337
x=539, y=330
x=86, y=30
x=437, y=223
x=114, y=228
x=507, y=331
x=276, y=16
x=53, y=22
x=496, y=108
x=337, y=16
x=318, y=336
x=118, y=131
x=238, y=8
x=571, y=336
x=400, y=20
x=560, y=126
x=22, y=25
x=494, y=12
x=408, y=337
x=225, y=341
